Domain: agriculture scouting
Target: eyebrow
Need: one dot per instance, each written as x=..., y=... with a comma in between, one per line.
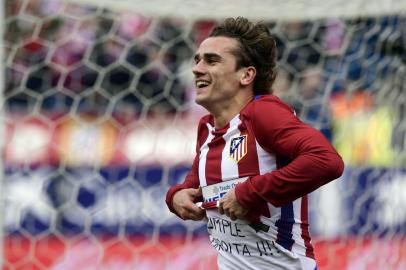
x=212, y=56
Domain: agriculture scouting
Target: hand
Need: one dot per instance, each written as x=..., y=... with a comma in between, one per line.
x=183, y=204
x=229, y=206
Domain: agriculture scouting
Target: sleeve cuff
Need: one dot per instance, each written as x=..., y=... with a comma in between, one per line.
x=169, y=197
x=247, y=195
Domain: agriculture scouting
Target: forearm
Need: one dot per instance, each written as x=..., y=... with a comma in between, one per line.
x=302, y=176
x=191, y=181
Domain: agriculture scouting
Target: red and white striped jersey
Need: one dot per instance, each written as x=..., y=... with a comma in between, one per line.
x=284, y=160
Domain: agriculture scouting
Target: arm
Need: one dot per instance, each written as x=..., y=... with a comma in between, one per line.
x=181, y=198
x=313, y=160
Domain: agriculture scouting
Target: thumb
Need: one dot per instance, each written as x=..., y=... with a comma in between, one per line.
x=196, y=192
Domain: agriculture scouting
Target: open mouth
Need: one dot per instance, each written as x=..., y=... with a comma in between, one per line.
x=202, y=84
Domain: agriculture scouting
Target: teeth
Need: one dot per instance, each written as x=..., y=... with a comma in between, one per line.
x=201, y=84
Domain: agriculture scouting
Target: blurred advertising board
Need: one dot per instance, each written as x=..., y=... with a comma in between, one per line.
x=132, y=253
x=87, y=141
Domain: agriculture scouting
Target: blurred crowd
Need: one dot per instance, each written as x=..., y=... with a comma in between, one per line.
x=64, y=58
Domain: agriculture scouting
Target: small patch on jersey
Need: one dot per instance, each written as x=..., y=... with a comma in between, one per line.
x=238, y=147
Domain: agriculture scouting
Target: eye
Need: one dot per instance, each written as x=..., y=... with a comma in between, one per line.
x=196, y=59
x=211, y=61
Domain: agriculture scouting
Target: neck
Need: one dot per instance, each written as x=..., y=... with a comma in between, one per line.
x=225, y=113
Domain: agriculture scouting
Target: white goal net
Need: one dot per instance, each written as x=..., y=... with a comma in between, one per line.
x=98, y=121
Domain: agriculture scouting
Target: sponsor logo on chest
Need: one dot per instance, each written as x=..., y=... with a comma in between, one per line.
x=238, y=147
x=217, y=191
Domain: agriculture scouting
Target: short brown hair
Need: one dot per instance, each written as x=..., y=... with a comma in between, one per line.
x=257, y=48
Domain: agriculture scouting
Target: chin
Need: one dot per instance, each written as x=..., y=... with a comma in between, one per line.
x=199, y=98
x=202, y=101
x=199, y=101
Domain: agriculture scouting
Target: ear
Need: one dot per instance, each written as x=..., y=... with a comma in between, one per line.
x=248, y=75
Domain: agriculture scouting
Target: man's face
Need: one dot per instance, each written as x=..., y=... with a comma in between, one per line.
x=216, y=79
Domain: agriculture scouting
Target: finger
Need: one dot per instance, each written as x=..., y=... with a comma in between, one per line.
x=240, y=216
x=190, y=206
x=232, y=216
x=184, y=214
x=220, y=208
x=195, y=213
x=198, y=217
x=229, y=213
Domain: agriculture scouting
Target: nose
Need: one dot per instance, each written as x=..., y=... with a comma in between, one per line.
x=198, y=69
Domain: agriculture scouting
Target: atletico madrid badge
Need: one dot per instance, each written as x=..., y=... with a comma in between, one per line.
x=238, y=147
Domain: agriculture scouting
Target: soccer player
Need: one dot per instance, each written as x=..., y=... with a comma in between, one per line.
x=254, y=156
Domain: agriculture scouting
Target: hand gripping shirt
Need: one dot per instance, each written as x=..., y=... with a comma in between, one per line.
x=284, y=160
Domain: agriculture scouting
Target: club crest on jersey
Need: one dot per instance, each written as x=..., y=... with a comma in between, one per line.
x=238, y=147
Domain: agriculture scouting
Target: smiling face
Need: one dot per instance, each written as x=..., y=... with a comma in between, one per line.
x=217, y=80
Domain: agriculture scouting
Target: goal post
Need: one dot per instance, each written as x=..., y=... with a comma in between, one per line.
x=99, y=121
x=2, y=130
x=275, y=10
